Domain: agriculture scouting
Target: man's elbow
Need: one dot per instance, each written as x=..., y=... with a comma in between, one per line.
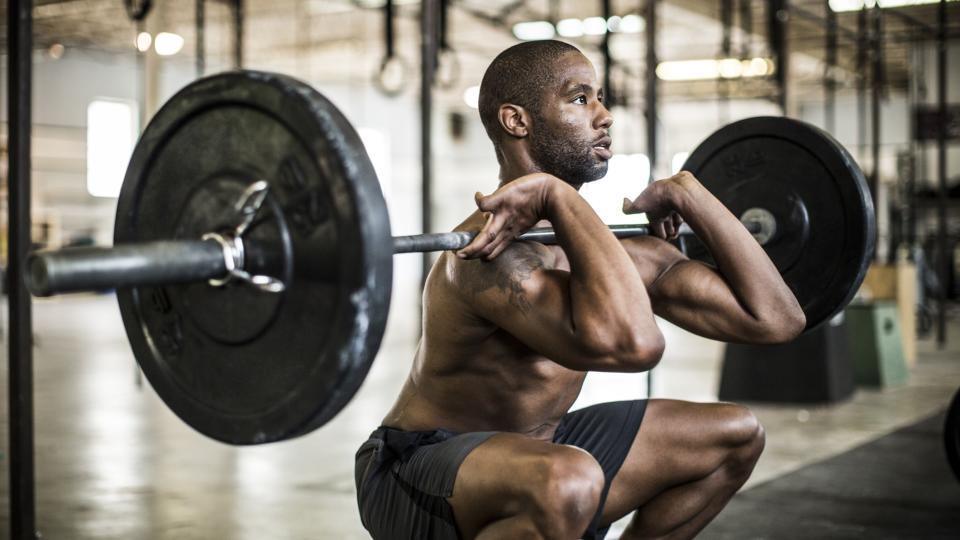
x=645, y=351
x=784, y=328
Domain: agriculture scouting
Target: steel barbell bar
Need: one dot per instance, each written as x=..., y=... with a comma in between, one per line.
x=219, y=257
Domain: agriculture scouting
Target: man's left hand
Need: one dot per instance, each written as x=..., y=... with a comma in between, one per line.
x=657, y=201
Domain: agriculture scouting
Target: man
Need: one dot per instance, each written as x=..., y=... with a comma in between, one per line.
x=480, y=443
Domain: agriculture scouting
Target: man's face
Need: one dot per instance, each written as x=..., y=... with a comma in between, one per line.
x=569, y=136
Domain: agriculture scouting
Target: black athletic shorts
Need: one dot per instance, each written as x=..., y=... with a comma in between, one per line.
x=404, y=477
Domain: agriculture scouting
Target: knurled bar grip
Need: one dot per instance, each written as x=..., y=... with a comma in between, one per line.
x=457, y=240
x=100, y=268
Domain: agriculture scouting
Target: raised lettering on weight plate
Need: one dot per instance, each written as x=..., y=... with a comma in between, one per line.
x=304, y=207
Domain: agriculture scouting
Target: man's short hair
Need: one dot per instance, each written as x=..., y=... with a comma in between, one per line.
x=519, y=75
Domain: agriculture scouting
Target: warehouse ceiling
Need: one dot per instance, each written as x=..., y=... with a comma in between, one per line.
x=311, y=38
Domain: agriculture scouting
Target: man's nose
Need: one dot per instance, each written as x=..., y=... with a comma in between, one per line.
x=604, y=118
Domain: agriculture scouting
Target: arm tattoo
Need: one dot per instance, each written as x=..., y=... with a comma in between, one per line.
x=507, y=273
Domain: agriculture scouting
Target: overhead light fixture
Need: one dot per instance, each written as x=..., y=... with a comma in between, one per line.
x=707, y=69
x=168, y=43
x=631, y=24
x=594, y=26
x=570, y=28
x=143, y=41
x=533, y=30
x=471, y=96
x=574, y=28
x=856, y=5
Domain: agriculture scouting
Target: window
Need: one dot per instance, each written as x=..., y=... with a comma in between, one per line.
x=111, y=135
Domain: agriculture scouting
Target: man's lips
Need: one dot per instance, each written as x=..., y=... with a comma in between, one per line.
x=602, y=148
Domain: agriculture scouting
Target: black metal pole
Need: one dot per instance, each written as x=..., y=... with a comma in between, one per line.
x=200, y=20
x=876, y=87
x=428, y=57
x=777, y=24
x=942, y=173
x=651, y=84
x=829, y=82
x=238, y=33
x=20, y=345
x=861, y=81
x=608, y=94
x=726, y=51
x=746, y=24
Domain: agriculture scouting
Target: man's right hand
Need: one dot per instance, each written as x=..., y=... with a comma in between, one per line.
x=511, y=210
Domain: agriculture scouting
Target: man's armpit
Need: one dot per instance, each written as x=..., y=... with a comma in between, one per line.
x=504, y=275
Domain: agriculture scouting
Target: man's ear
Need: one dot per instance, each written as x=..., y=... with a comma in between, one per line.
x=514, y=119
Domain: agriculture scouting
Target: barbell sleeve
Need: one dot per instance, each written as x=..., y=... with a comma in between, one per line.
x=101, y=268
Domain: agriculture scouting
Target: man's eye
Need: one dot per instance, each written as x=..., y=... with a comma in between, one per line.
x=580, y=99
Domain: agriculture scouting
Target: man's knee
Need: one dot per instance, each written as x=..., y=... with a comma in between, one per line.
x=566, y=493
x=744, y=435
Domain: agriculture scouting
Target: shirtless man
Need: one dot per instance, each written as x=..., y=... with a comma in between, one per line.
x=480, y=443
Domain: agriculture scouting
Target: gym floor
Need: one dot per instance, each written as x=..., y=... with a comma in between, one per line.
x=113, y=462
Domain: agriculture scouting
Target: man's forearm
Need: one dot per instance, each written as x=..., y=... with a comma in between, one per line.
x=744, y=264
x=609, y=303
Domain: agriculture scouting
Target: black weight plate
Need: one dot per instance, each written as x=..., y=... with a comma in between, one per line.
x=240, y=365
x=951, y=435
x=826, y=229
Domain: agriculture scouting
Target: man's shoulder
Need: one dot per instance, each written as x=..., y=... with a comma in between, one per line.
x=507, y=272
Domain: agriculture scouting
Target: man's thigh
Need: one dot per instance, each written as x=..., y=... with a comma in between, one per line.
x=677, y=443
x=500, y=478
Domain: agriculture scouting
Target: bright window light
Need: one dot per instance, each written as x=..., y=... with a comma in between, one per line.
x=144, y=40
x=533, y=30
x=471, y=96
x=111, y=134
x=855, y=5
x=168, y=43
x=627, y=175
x=570, y=28
x=676, y=163
x=377, y=144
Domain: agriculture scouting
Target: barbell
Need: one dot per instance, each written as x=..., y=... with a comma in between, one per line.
x=252, y=249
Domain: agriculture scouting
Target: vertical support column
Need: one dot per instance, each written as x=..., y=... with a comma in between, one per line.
x=861, y=82
x=876, y=87
x=726, y=51
x=428, y=61
x=829, y=82
x=608, y=94
x=20, y=346
x=777, y=18
x=942, y=173
x=201, y=24
x=650, y=15
x=150, y=62
x=238, y=34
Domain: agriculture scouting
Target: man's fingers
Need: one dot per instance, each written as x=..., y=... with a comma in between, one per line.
x=481, y=244
x=486, y=203
x=636, y=206
x=479, y=241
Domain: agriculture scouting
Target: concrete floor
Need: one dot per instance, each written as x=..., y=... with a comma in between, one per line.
x=113, y=462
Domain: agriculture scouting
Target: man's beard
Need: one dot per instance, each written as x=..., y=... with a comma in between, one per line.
x=569, y=159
